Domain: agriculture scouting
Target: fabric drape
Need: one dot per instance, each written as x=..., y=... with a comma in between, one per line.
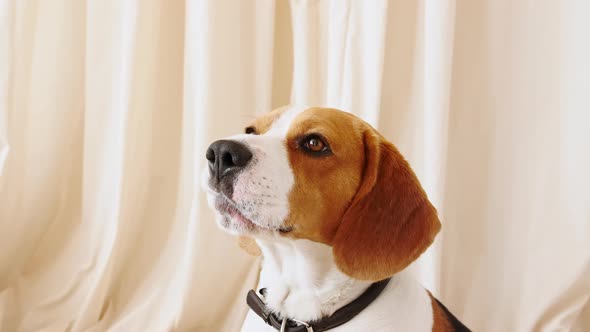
x=107, y=107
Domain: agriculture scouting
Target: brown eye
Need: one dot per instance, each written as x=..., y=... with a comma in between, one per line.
x=250, y=130
x=315, y=145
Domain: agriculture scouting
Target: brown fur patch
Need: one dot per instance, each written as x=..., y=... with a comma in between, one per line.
x=324, y=186
x=390, y=221
x=364, y=199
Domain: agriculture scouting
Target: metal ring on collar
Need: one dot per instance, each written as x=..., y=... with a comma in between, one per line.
x=307, y=326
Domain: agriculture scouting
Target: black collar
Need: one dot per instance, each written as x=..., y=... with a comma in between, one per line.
x=338, y=318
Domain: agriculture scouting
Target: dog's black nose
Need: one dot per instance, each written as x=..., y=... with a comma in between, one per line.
x=225, y=155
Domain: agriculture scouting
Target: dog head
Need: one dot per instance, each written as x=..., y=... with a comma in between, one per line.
x=326, y=176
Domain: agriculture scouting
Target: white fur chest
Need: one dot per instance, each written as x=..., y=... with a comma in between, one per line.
x=302, y=282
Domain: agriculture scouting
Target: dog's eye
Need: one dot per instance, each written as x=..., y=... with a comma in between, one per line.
x=315, y=145
x=250, y=130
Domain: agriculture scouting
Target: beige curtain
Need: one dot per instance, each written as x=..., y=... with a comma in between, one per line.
x=107, y=107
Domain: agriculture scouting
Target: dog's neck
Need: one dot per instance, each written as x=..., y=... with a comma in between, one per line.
x=303, y=281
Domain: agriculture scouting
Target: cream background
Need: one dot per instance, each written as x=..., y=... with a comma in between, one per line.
x=107, y=107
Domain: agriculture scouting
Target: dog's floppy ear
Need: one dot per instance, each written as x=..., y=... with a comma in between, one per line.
x=249, y=245
x=390, y=221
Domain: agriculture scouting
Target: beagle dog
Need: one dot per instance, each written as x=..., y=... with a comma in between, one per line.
x=337, y=214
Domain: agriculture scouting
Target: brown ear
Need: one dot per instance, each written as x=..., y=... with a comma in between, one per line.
x=390, y=221
x=249, y=245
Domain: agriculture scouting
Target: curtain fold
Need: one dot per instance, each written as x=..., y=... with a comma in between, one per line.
x=5, y=65
x=107, y=108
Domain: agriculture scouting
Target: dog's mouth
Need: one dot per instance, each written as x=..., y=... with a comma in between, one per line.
x=229, y=208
